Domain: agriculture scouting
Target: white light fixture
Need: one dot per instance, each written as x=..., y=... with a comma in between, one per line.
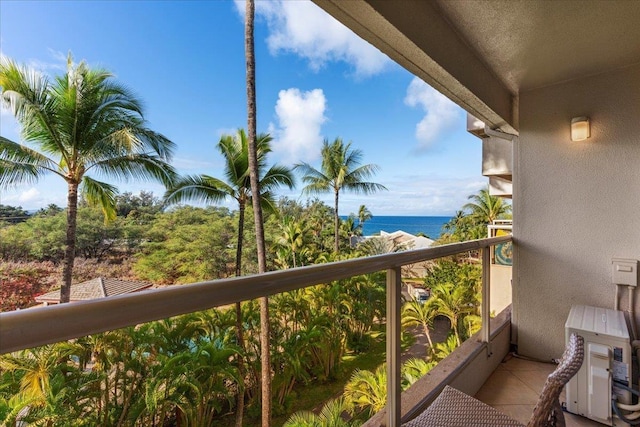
x=580, y=128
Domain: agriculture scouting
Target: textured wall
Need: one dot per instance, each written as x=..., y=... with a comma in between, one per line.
x=576, y=204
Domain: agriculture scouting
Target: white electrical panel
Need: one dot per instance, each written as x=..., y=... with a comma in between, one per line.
x=607, y=356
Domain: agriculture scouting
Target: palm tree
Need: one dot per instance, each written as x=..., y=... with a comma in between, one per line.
x=339, y=171
x=366, y=390
x=364, y=214
x=414, y=369
x=414, y=313
x=292, y=238
x=82, y=122
x=265, y=357
x=331, y=415
x=445, y=348
x=37, y=366
x=486, y=208
x=206, y=188
x=453, y=302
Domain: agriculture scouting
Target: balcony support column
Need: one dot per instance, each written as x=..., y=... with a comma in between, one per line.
x=394, y=390
x=486, y=307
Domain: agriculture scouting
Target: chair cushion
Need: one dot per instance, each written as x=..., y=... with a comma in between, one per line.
x=454, y=408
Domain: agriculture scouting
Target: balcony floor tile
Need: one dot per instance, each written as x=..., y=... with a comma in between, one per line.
x=514, y=387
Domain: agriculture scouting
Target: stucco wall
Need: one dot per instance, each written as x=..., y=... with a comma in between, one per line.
x=576, y=204
x=500, y=288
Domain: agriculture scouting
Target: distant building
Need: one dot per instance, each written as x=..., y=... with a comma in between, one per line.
x=406, y=240
x=96, y=288
x=396, y=241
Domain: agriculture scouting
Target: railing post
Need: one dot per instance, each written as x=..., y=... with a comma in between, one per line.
x=394, y=390
x=486, y=295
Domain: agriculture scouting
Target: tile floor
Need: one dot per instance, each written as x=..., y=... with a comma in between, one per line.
x=514, y=387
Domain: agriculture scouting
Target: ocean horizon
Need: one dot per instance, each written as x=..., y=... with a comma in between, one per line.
x=431, y=226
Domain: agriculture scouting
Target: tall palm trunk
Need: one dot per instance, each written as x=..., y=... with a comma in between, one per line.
x=70, y=248
x=336, y=224
x=265, y=358
x=239, y=334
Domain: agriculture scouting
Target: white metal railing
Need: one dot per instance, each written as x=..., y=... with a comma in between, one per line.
x=45, y=325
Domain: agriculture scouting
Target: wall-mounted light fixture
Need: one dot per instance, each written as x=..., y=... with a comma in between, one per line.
x=580, y=129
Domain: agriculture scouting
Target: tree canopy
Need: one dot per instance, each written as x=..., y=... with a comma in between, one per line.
x=83, y=125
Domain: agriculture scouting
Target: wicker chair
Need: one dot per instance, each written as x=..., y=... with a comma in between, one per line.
x=454, y=408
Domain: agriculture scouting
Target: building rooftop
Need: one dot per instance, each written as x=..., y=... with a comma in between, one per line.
x=99, y=287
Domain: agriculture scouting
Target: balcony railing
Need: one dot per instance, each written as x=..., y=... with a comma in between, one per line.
x=45, y=325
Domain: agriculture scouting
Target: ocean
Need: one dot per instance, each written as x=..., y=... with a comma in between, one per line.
x=429, y=225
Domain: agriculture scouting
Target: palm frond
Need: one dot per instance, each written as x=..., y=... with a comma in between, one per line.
x=201, y=188
x=136, y=166
x=101, y=194
x=20, y=164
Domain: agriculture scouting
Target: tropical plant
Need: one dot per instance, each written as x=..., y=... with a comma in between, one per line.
x=332, y=414
x=207, y=189
x=339, y=170
x=453, y=302
x=238, y=186
x=415, y=313
x=291, y=242
x=414, y=369
x=486, y=208
x=350, y=228
x=367, y=391
x=443, y=349
x=188, y=244
x=13, y=214
x=254, y=174
x=364, y=215
x=82, y=122
x=44, y=375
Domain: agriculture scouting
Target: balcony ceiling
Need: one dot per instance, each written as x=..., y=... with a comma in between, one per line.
x=531, y=44
x=483, y=53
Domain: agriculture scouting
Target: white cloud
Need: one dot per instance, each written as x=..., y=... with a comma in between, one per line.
x=30, y=198
x=302, y=28
x=440, y=113
x=300, y=115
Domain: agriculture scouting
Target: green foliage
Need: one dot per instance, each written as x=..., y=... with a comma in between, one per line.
x=414, y=313
x=333, y=414
x=51, y=210
x=305, y=229
x=185, y=369
x=455, y=292
x=187, y=245
x=471, y=222
x=80, y=124
x=340, y=170
x=142, y=207
x=42, y=237
x=13, y=214
x=366, y=391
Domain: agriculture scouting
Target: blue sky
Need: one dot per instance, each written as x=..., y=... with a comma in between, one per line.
x=315, y=80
